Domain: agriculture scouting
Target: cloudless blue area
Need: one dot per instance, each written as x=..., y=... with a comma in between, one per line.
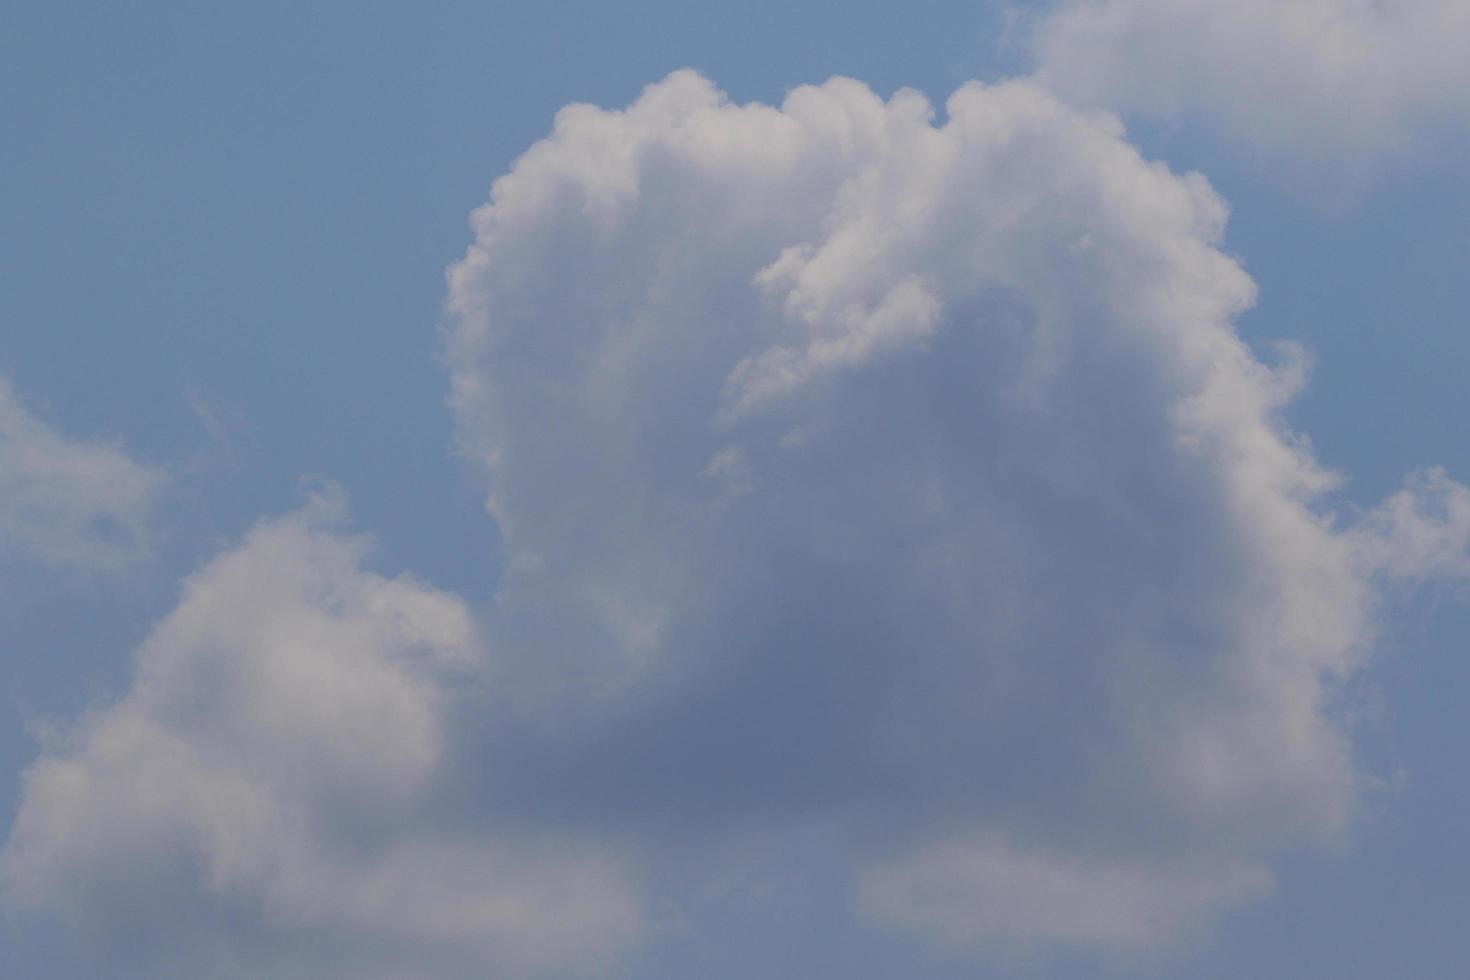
x=223, y=236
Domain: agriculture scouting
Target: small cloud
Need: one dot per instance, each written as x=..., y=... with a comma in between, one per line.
x=68, y=504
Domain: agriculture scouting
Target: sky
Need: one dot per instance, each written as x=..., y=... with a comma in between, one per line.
x=743, y=491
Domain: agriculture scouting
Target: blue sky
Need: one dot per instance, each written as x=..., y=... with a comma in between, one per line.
x=225, y=238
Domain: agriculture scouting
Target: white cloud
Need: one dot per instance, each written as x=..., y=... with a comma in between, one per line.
x=275, y=777
x=1332, y=88
x=1015, y=546
x=82, y=506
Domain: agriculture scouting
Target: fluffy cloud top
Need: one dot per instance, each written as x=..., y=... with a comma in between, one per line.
x=851, y=463
x=271, y=779
x=70, y=505
x=1340, y=85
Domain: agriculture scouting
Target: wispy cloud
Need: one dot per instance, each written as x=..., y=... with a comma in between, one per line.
x=70, y=504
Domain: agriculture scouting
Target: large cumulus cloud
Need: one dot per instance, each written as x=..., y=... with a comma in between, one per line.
x=1331, y=89
x=867, y=475
x=856, y=466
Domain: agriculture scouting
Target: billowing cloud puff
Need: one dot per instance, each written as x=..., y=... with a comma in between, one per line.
x=1340, y=86
x=272, y=785
x=910, y=475
x=78, y=506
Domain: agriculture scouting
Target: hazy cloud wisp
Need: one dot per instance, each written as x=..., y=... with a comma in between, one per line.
x=71, y=505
